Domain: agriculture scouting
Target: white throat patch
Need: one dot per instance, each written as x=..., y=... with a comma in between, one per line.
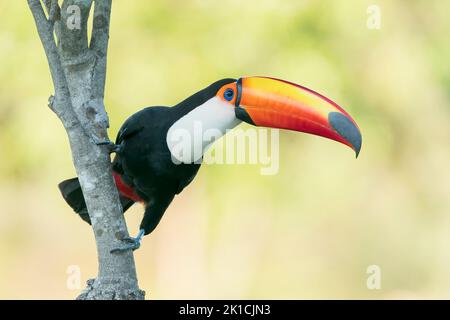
x=190, y=137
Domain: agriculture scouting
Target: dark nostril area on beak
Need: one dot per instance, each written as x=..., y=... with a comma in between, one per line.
x=347, y=129
x=242, y=114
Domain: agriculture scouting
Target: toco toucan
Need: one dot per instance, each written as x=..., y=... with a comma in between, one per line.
x=153, y=164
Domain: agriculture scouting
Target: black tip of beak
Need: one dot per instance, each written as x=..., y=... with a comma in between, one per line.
x=346, y=129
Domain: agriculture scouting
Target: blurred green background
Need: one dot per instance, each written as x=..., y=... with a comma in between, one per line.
x=312, y=230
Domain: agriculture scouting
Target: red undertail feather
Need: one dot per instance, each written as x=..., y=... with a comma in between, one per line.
x=125, y=189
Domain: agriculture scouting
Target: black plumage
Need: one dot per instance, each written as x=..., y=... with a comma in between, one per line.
x=144, y=162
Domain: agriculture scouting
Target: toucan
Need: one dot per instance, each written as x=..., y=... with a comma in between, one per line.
x=152, y=164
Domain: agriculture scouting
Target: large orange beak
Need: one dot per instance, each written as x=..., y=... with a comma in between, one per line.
x=275, y=103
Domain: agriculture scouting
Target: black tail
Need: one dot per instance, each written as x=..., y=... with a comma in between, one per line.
x=71, y=192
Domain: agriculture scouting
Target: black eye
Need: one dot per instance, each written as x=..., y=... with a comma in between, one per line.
x=228, y=94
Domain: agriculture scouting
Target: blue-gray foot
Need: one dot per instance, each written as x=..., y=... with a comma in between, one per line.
x=130, y=243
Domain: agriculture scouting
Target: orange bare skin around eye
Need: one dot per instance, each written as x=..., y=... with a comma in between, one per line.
x=222, y=91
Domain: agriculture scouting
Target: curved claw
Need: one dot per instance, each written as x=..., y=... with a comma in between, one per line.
x=132, y=243
x=112, y=147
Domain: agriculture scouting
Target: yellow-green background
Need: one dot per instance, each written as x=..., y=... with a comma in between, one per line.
x=310, y=231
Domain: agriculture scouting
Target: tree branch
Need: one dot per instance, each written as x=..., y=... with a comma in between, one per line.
x=54, y=15
x=78, y=79
x=53, y=10
x=45, y=31
x=99, y=42
x=74, y=37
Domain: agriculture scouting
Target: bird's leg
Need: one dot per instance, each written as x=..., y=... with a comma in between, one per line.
x=112, y=147
x=131, y=243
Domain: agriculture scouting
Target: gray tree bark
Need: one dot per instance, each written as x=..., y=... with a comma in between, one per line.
x=78, y=71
